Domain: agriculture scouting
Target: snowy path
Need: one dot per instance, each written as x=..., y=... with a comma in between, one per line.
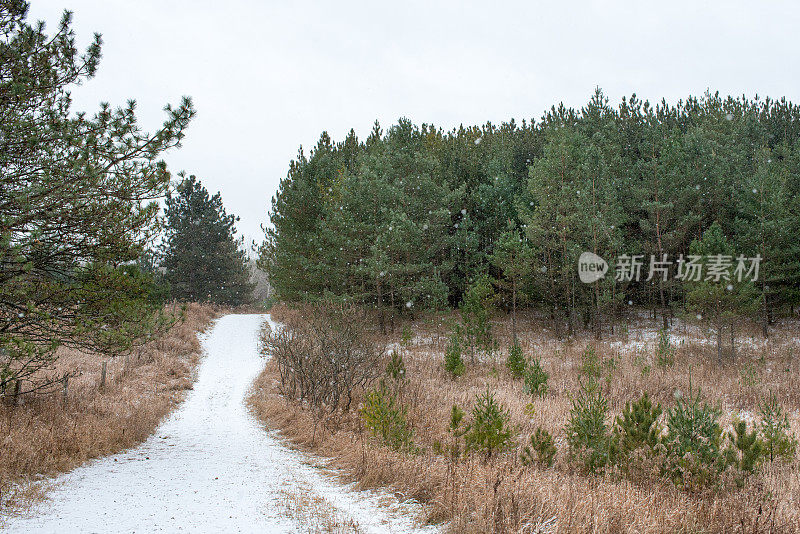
x=209, y=467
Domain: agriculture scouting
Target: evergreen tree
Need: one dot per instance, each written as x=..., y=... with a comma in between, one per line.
x=573, y=211
x=203, y=260
x=718, y=298
x=512, y=257
x=415, y=214
x=78, y=204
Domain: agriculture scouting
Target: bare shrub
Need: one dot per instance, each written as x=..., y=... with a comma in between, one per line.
x=325, y=356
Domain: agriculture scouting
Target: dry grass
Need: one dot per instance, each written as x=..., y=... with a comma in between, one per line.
x=314, y=514
x=475, y=496
x=44, y=436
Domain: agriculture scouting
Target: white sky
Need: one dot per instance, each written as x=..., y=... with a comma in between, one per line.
x=267, y=77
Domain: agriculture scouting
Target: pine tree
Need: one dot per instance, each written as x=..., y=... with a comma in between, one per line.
x=415, y=214
x=476, y=309
x=490, y=430
x=718, y=300
x=636, y=427
x=766, y=224
x=203, y=260
x=78, y=204
x=515, y=363
x=541, y=450
x=512, y=256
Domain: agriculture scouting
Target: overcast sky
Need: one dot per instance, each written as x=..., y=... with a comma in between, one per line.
x=267, y=77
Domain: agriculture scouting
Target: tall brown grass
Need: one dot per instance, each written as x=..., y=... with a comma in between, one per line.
x=473, y=495
x=45, y=436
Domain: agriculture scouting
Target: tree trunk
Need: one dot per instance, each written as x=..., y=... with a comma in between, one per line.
x=598, y=320
x=514, y=312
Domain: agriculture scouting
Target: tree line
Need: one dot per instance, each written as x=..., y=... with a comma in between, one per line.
x=411, y=217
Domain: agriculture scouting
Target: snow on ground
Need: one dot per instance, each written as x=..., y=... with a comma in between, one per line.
x=210, y=467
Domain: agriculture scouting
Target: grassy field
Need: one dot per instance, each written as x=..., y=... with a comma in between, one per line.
x=44, y=436
x=472, y=493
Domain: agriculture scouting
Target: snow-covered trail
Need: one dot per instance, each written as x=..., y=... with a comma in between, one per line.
x=209, y=467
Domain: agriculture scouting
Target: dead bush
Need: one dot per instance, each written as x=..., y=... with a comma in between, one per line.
x=325, y=355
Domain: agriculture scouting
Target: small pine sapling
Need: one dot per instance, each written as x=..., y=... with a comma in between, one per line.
x=774, y=427
x=453, y=362
x=747, y=450
x=636, y=428
x=588, y=436
x=406, y=336
x=456, y=430
x=541, y=450
x=516, y=361
x=535, y=379
x=396, y=368
x=694, y=443
x=593, y=367
x=489, y=431
x=665, y=352
x=386, y=419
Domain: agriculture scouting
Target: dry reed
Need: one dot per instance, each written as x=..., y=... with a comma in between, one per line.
x=501, y=495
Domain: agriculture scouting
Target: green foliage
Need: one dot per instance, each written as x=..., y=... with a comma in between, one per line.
x=78, y=204
x=541, y=450
x=774, y=427
x=456, y=418
x=665, y=351
x=489, y=430
x=414, y=214
x=396, y=368
x=593, y=367
x=748, y=449
x=406, y=336
x=512, y=256
x=475, y=309
x=636, y=428
x=718, y=302
x=203, y=260
x=573, y=206
x=515, y=362
x=456, y=429
x=529, y=410
x=694, y=443
x=535, y=379
x=386, y=419
x=587, y=433
x=453, y=362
